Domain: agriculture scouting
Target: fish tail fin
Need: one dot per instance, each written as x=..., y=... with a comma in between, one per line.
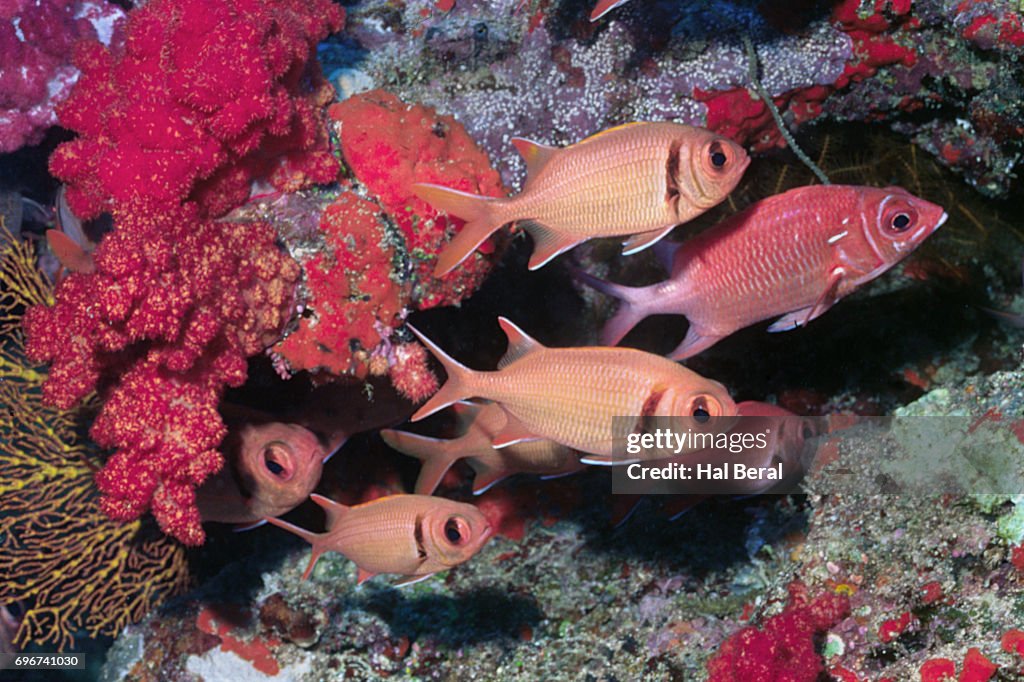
x=632, y=309
x=436, y=455
x=458, y=385
x=482, y=220
x=309, y=536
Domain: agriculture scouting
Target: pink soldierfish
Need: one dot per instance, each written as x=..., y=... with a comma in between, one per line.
x=271, y=469
x=573, y=395
x=274, y=464
x=794, y=254
x=481, y=424
x=412, y=535
x=604, y=6
x=638, y=180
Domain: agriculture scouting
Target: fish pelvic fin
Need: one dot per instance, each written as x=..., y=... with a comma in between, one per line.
x=315, y=539
x=436, y=456
x=482, y=220
x=485, y=476
x=640, y=241
x=458, y=385
x=520, y=343
x=603, y=7
x=633, y=306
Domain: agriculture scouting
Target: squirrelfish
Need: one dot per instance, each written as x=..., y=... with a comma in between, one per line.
x=271, y=469
x=572, y=395
x=794, y=254
x=639, y=179
x=481, y=423
x=412, y=535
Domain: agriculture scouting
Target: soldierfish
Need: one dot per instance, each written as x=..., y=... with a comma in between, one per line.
x=412, y=535
x=274, y=462
x=481, y=423
x=271, y=469
x=794, y=254
x=572, y=395
x=639, y=179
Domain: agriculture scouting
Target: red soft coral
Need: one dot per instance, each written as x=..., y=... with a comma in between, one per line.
x=178, y=301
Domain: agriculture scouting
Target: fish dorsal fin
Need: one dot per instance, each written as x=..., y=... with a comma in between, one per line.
x=362, y=575
x=535, y=154
x=520, y=343
x=335, y=511
x=614, y=129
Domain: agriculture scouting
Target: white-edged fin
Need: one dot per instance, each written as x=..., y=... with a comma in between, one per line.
x=513, y=432
x=799, y=318
x=407, y=580
x=520, y=343
x=606, y=461
x=242, y=527
x=535, y=155
x=639, y=242
x=485, y=477
x=547, y=243
x=335, y=511
x=604, y=6
x=362, y=575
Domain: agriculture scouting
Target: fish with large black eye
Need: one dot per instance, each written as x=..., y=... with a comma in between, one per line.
x=415, y=536
x=795, y=254
x=638, y=181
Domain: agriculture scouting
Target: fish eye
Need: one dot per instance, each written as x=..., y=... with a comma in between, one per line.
x=900, y=222
x=717, y=155
x=453, y=531
x=272, y=460
x=700, y=411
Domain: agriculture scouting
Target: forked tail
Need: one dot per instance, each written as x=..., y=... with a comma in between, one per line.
x=309, y=536
x=632, y=309
x=435, y=454
x=458, y=385
x=482, y=220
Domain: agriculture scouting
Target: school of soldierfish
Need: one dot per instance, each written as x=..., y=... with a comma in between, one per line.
x=549, y=411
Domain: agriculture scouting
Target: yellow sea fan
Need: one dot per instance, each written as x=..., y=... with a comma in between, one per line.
x=70, y=566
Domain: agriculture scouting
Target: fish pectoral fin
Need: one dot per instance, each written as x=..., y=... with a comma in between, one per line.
x=639, y=242
x=547, y=244
x=520, y=343
x=362, y=575
x=513, y=432
x=406, y=580
x=535, y=154
x=799, y=318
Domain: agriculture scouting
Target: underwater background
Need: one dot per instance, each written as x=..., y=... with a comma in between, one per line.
x=211, y=226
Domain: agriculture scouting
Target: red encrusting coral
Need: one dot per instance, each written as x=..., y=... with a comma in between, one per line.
x=783, y=648
x=178, y=301
x=380, y=244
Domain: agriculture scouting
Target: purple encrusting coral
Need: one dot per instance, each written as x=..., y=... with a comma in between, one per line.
x=514, y=68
